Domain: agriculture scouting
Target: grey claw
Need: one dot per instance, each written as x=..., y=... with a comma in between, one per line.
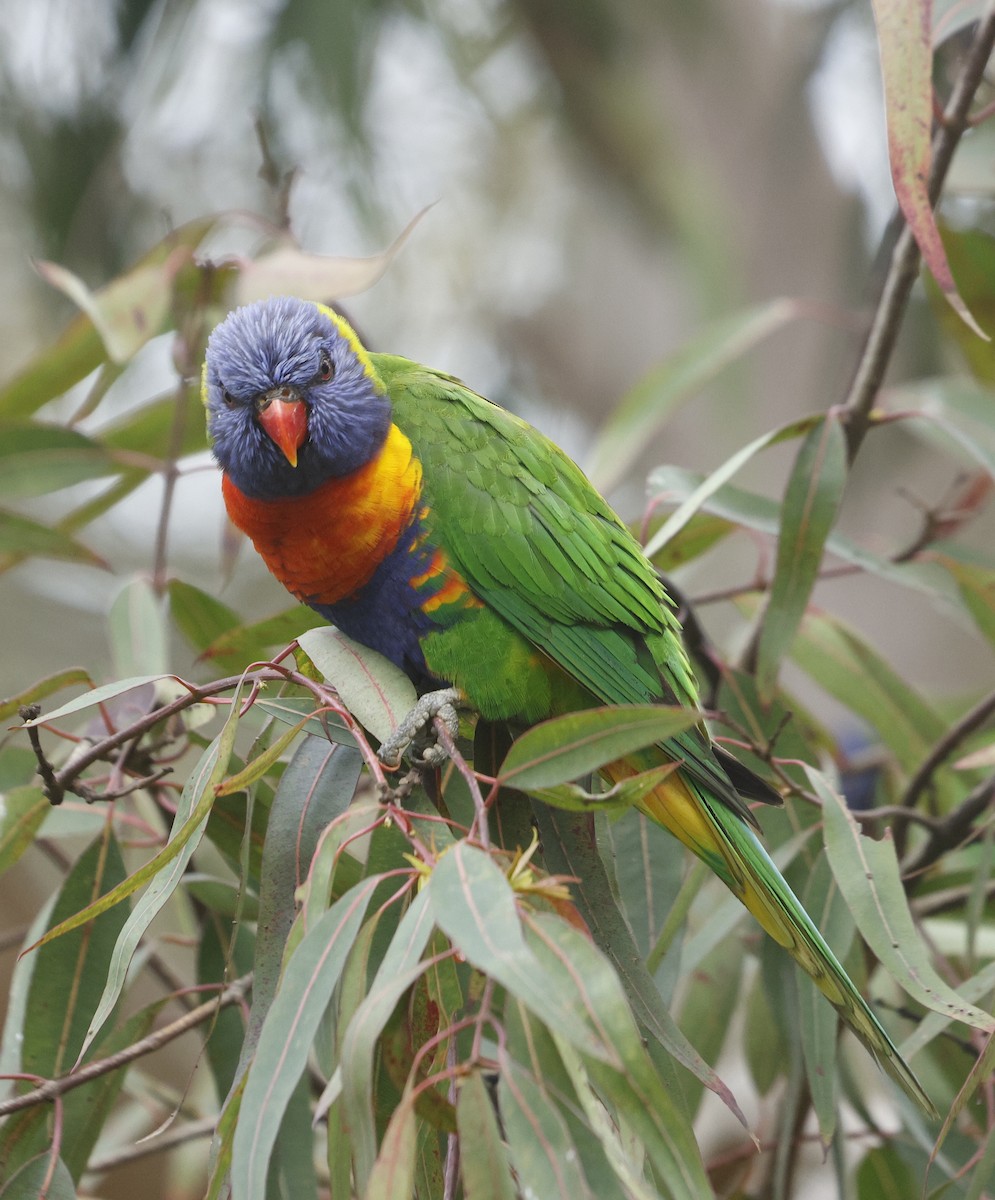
x=416, y=724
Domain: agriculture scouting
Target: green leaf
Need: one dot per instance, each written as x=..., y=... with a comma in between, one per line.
x=316, y=787
x=38, y=459
x=393, y=1174
x=138, y=631
x=569, y=747
x=632, y=1085
x=483, y=1158
x=721, y=475
x=69, y=973
x=569, y=849
x=884, y=1175
x=905, y=44
x=545, y=1160
x=98, y=695
x=20, y=537
x=253, y=643
x=150, y=429
x=976, y=584
x=811, y=504
x=45, y=687
x=86, y=1109
x=199, y=617
x=400, y=967
x=754, y=511
x=26, y=1184
x=617, y=799
x=869, y=877
x=378, y=694
x=645, y=408
x=76, y=353
x=290, y=710
x=261, y=764
x=287, y=1033
x=129, y=310
x=475, y=907
x=852, y=671
x=818, y=1022
x=22, y=811
x=709, y=1007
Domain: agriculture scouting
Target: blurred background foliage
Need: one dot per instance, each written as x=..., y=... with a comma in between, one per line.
x=608, y=180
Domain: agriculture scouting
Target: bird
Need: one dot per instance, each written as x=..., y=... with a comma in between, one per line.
x=453, y=537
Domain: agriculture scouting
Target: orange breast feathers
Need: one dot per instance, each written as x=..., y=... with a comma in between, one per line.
x=325, y=545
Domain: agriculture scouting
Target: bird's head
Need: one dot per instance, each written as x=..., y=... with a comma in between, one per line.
x=292, y=398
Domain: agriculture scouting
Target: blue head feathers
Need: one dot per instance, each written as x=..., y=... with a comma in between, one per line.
x=283, y=343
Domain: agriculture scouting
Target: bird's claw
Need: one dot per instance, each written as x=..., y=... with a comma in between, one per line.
x=416, y=730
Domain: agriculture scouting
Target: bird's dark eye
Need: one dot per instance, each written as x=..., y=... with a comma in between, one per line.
x=326, y=368
x=228, y=398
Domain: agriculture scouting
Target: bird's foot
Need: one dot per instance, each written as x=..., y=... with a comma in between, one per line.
x=416, y=730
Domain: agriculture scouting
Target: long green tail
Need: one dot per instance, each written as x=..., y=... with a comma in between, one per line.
x=730, y=848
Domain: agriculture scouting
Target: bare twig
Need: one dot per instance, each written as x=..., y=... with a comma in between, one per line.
x=955, y=829
x=54, y=1088
x=945, y=747
x=153, y=1145
x=904, y=265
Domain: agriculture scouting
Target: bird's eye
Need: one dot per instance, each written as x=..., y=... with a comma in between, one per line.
x=326, y=368
x=228, y=398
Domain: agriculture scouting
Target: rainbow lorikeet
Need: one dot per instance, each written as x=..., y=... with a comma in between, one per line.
x=454, y=538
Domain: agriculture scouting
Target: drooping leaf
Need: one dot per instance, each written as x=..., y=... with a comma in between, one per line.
x=138, y=631
x=483, y=1158
x=129, y=310
x=811, y=504
x=316, y=787
x=570, y=849
x=398, y=970
x=818, y=1022
x=655, y=1112
x=868, y=875
x=288, y=271
x=393, y=1174
x=906, y=50
x=286, y=1036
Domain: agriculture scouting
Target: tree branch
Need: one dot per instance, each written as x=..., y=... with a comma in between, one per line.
x=955, y=829
x=53, y=1088
x=944, y=748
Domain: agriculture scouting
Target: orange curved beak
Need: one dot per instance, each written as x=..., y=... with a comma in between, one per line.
x=283, y=416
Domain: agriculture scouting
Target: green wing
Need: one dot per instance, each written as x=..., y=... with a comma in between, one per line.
x=541, y=548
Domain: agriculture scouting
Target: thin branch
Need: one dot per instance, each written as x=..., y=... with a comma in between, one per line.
x=945, y=747
x=153, y=1145
x=955, y=829
x=54, y=1088
x=903, y=268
